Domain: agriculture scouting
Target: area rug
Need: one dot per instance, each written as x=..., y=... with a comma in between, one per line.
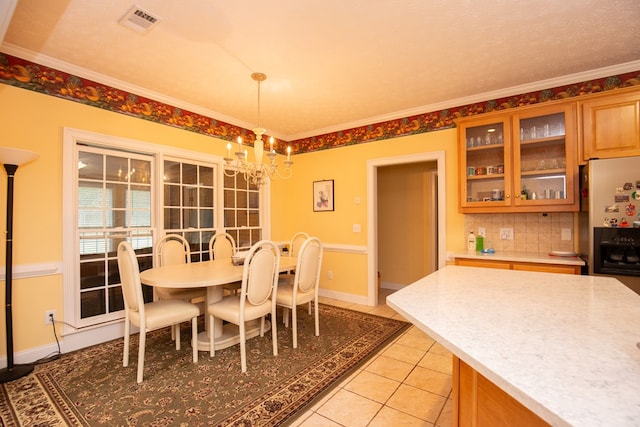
x=90, y=387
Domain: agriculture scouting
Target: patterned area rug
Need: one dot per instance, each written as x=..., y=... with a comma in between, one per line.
x=90, y=387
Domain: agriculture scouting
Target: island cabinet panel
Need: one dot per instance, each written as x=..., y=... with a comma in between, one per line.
x=515, y=265
x=480, y=403
x=611, y=125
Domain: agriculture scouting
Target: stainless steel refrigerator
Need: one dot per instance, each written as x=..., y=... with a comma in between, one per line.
x=609, y=218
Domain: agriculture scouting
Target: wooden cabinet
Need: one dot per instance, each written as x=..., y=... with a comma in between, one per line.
x=611, y=124
x=519, y=265
x=477, y=402
x=524, y=160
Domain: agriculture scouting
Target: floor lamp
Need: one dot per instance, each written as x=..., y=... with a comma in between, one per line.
x=12, y=158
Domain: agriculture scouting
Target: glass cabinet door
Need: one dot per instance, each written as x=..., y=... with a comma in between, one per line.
x=485, y=163
x=544, y=157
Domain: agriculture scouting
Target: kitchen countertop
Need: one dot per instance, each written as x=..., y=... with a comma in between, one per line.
x=565, y=346
x=542, y=258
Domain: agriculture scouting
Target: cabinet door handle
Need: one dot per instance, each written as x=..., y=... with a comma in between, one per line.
x=507, y=196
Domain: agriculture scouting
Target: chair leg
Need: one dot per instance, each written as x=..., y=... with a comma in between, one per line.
x=274, y=335
x=194, y=338
x=309, y=308
x=262, y=326
x=285, y=316
x=212, y=334
x=315, y=303
x=294, y=326
x=125, y=353
x=243, y=349
x=143, y=339
x=176, y=328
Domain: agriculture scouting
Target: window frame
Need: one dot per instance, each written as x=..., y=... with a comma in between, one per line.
x=70, y=246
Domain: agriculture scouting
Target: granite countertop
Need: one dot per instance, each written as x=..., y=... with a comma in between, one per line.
x=565, y=346
x=542, y=258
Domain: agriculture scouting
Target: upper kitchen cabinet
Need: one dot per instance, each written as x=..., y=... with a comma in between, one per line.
x=521, y=160
x=611, y=124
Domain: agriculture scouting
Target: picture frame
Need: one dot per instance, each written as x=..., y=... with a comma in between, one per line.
x=323, y=196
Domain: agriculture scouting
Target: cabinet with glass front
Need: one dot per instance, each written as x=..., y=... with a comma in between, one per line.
x=524, y=160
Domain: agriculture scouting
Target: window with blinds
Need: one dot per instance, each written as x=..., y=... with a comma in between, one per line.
x=114, y=205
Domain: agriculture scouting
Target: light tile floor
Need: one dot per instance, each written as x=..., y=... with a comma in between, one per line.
x=406, y=383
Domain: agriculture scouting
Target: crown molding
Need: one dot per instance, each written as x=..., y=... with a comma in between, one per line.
x=479, y=97
x=84, y=73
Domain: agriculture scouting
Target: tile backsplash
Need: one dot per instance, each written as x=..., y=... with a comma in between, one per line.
x=532, y=232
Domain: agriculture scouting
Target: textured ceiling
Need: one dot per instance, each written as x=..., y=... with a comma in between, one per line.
x=333, y=64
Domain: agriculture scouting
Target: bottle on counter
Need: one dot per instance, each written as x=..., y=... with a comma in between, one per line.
x=471, y=242
x=479, y=243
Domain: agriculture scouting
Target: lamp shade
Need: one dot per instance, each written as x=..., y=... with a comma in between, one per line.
x=16, y=156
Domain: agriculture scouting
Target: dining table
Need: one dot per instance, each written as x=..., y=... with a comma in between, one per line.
x=211, y=275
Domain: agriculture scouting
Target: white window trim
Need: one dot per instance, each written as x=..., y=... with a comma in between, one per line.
x=71, y=136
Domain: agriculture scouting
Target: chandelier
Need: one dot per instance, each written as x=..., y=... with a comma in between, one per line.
x=257, y=172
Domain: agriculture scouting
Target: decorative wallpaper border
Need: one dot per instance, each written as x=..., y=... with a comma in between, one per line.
x=21, y=73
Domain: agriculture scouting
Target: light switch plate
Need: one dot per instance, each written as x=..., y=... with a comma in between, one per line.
x=566, y=234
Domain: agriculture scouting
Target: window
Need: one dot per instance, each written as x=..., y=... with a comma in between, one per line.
x=113, y=205
x=242, y=211
x=122, y=190
x=189, y=195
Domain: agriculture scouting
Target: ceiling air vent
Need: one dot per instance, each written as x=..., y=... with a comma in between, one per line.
x=138, y=20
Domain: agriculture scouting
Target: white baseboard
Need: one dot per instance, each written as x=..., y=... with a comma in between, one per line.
x=356, y=299
x=31, y=355
x=391, y=285
x=70, y=342
x=96, y=335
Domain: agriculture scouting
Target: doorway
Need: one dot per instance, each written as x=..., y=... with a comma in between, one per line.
x=426, y=173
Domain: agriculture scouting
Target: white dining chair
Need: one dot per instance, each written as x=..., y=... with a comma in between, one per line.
x=223, y=246
x=255, y=300
x=296, y=242
x=304, y=288
x=174, y=249
x=149, y=316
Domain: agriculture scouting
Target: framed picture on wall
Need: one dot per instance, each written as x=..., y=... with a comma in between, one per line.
x=323, y=195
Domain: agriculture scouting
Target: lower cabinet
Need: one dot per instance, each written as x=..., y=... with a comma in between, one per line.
x=477, y=402
x=518, y=265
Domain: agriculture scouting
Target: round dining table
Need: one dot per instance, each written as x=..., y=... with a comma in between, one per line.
x=211, y=275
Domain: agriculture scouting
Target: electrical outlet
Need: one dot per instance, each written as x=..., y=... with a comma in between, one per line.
x=566, y=234
x=330, y=275
x=482, y=231
x=47, y=316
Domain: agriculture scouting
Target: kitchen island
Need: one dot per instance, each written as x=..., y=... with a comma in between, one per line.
x=564, y=347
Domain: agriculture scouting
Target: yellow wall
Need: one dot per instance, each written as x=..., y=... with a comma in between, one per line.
x=35, y=122
x=292, y=204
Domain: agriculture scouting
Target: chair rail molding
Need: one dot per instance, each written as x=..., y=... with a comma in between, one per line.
x=33, y=270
